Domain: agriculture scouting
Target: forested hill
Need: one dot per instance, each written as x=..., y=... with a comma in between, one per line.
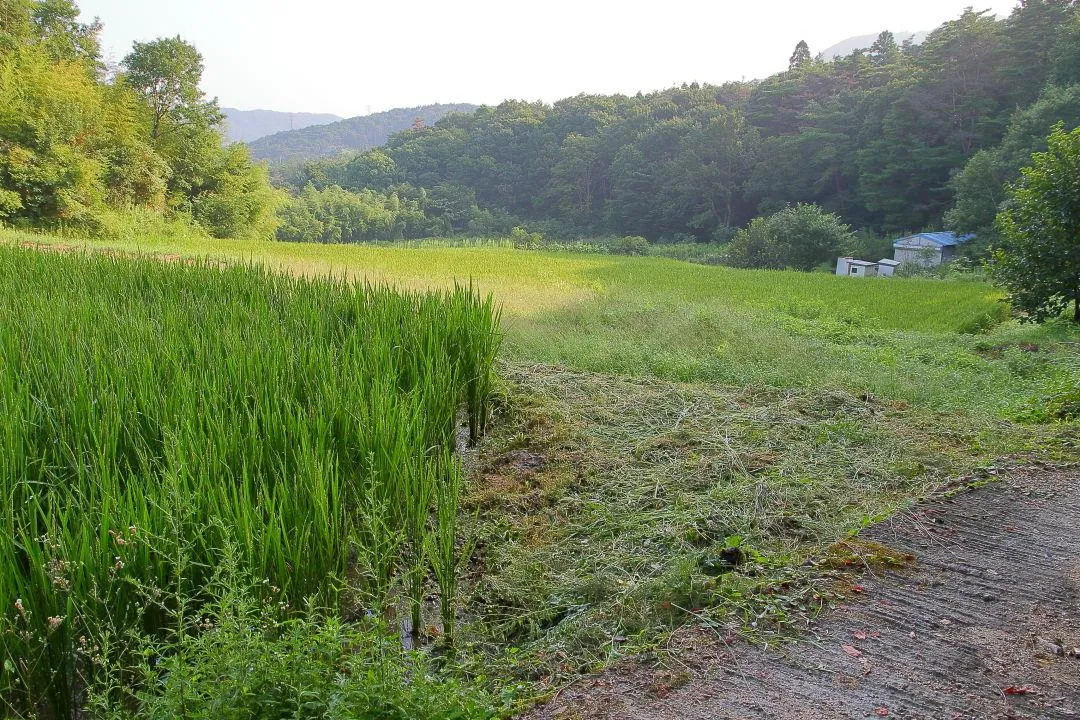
x=248, y=125
x=358, y=133
x=891, y=138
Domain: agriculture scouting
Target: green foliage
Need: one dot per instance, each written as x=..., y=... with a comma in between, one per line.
x=236, y=198
x=980, y=186
x=167, y=72
x=522, y=239
x=800, y=57
x=334, y=215
x=1038, y=258
x=240, y=658
x=875, y=137
x=629, y=245
x=1057, y=400
x=52, y=25
x=76, y=148
x=55, y=122
x=1065, y=56
x=868, y=245
x=171, y=400
x=801, y=237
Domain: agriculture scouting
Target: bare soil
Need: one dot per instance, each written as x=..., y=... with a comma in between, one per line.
x=984, y=624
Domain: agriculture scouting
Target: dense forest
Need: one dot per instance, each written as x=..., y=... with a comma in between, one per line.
x=354, y=134
x=891, y=138
x=885, y=140
x=81, y=147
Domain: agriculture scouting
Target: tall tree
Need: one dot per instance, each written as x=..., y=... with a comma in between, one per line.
x=980, y=187
x=1038, y=258
x=1030, y=32
x=884, y=51
x=167, y=72
x=800, y=57
x=56, y=24
x=1065, y=54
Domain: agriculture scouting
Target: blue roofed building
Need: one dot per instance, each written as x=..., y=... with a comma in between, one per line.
x=928, y=249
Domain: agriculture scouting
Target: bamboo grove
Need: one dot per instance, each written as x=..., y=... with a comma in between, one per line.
x=153, y=413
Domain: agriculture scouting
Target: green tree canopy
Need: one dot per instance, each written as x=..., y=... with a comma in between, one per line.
x=167, y=72
x=1038, y=257
x=801, y=237
x=79, y=148
x=800, y=57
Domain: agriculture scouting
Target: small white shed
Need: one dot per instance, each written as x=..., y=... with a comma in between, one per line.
x=886, y=267
x=851, y=267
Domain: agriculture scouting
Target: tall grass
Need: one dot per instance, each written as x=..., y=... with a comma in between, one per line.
x=195, y=404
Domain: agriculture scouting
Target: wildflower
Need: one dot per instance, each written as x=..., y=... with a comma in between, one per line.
x=19, y=607
x=55, y=622
x=133, y=531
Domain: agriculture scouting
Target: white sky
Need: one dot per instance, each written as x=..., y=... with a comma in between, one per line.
x=351, y=58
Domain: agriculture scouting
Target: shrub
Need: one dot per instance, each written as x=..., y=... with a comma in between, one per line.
x=525, y=240
x=984, y=322
x=800, y=237
x=630, y=245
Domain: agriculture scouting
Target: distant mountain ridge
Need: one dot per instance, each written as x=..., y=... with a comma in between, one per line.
x=248, y=125
x=355, y=134
x=845, y=47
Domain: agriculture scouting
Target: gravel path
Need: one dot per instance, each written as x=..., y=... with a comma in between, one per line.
x=986, y=625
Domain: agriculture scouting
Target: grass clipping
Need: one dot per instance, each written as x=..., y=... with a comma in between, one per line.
x=613, y=510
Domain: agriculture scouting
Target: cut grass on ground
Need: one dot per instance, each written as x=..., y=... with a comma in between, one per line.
x=613, y=510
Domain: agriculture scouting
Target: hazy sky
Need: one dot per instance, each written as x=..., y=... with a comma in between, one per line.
x=351, y=58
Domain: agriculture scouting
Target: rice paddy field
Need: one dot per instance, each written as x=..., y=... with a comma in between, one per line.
x=155, y=413
x=168, y=397
x=935, y=343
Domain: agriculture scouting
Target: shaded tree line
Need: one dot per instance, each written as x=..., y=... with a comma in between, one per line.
x=891, y=138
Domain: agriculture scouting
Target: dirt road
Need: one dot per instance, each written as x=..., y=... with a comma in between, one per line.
x=985, y=625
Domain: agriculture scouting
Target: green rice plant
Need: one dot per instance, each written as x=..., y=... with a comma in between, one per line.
x=421, y=487
x=306, y=418
x=444, y=546
x=481, y=351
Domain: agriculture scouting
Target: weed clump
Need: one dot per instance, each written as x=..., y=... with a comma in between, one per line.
x=230, y=652
x=1058, y=400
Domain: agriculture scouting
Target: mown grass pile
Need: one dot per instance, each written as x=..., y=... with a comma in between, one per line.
x=154, y=413
x=614, y=510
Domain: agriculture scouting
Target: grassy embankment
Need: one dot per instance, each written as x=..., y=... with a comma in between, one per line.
x=679, y=440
